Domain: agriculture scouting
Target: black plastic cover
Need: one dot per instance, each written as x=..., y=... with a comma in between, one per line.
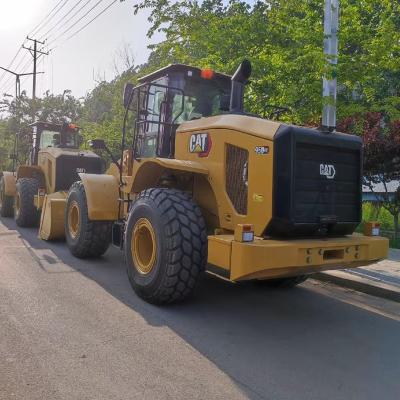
x=317, y=183
x=68, y=166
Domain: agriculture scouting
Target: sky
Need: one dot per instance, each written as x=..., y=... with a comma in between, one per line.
x=75, y=64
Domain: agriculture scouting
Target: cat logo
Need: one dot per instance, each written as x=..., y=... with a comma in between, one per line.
x=200, y=143
x=327, y=170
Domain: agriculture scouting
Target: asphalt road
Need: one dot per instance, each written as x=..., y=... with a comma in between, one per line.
x=72, y=329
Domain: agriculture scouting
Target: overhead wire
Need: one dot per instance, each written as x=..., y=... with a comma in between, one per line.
x=93, y=19
x=10, y=64
x=72, y=16
x=43, y=23
x=75, y=23
x=60, y=19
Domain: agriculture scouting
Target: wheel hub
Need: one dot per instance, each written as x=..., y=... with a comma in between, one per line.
x=144, y=246
x=74, y=215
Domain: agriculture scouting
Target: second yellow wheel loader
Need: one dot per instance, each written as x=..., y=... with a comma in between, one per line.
x=206, y=186
x=36, y=192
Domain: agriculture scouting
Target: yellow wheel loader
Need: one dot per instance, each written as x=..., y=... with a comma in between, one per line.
x=36, y=192
x=205, y=186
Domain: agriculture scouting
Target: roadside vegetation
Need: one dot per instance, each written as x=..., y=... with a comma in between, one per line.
x=283, y=40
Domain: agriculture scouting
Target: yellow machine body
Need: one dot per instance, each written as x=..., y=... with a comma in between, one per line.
x=202, y=150
x=52, y=216
x=50, y=199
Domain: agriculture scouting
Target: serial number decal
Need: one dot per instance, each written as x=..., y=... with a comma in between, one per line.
x=261, y=150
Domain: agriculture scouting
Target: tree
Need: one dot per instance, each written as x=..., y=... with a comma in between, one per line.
x=283, y=39
x=381, y=139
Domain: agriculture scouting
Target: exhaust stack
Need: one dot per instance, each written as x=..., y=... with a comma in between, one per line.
x=239, y=80
x=331, y=25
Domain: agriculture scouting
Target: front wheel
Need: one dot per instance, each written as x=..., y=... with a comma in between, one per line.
x=165, y=245
x=6, y=202
x=85, y=238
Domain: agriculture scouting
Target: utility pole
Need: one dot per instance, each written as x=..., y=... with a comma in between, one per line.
x=17, y=86
x=17, y=105
x=36, y=55
x=329, y=93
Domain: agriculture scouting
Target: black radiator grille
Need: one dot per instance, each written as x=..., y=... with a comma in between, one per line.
x=68, y=167
x=307, y=199
x=236, y=174
x=315, y=194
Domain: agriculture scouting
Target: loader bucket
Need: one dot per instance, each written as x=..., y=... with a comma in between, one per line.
x=52, y=218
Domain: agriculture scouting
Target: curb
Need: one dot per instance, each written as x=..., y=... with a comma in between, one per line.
x=360, y=284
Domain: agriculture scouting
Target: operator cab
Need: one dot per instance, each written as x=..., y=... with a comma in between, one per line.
x=45, y=134
x=168, y=97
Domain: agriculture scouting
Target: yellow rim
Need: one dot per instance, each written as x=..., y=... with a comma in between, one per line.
x=143, y=246
x=74, y=215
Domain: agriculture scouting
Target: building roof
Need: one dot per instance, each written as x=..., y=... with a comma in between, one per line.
x=391, y=186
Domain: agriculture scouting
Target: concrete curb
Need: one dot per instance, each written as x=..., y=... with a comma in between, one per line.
x=360, y=284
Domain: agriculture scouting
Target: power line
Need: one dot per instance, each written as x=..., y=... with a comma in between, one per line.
x=79, y=20
x=93, y=19
x=72, y=16
x=61, y=19
x=11, y=62
x=43, y=23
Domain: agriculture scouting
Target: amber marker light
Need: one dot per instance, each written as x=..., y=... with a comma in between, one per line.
x=244, y=233
x=207, y=73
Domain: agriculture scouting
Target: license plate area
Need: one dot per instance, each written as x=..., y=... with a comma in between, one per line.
x=333, y=254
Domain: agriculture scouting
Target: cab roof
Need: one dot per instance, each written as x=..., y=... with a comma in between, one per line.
x=41, y=125
x=46, y=125
x=186, y=69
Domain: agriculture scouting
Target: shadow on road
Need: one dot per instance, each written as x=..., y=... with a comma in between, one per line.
x=314, y=346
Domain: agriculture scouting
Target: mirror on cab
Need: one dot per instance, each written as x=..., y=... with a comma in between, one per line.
x=97, y=144
x=128, y=89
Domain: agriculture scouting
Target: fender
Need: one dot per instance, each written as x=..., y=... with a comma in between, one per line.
x=9, y=183
x=29, y=171
x=101, y=196
x=147, y=172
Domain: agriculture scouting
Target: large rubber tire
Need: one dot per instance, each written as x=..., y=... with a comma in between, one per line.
x=25, y=212
x=85, y=238
x=180, y=245
x=6, y=202
x=284, y=283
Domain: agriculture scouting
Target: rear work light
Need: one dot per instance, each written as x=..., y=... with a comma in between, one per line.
x=244, y=233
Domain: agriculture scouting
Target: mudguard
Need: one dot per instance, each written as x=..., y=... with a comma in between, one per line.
x=102, y=196
x=9, y=182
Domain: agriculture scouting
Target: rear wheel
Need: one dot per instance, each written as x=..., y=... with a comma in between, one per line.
x=165, y=245
x=85, y=238
x=6, y=202
x=284, y=283
x=25, y=212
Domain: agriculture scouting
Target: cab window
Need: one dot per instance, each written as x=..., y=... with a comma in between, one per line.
x=49, y=139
